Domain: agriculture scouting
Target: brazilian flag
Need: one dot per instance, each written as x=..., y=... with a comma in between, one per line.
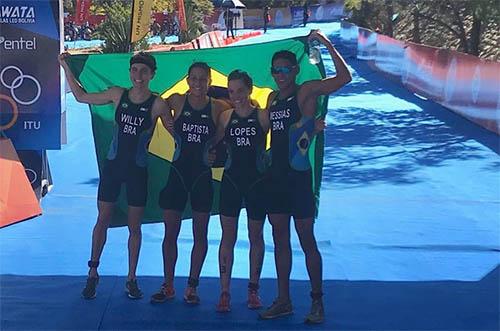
x=98, y=72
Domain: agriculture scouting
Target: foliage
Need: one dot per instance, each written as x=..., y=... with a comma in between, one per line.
x=470, y=26
x=115, y=30
x=196, y=10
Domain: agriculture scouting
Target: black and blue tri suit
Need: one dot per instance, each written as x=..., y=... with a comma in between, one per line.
x=243, y=181
x=126, y=162
x=289, y=190
x=189, y=175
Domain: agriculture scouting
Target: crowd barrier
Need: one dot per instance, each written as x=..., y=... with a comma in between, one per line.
x=460, y=82
x=212, y=39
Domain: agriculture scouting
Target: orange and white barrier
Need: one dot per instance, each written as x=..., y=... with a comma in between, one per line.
x=466, y=84
x=18, y=202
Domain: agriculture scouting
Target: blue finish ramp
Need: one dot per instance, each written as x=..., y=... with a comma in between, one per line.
x=408, y=228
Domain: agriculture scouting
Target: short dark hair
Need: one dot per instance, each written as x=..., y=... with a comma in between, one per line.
x=201, y=65
x=287, y=55
x=144, y=58
x=240, y=74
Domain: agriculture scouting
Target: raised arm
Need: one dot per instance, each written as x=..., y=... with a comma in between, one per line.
x=111, y=95
x=327, y=85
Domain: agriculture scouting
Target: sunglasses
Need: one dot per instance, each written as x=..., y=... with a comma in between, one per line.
x=282, y=70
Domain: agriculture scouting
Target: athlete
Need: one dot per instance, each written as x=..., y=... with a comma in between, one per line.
x=195, y=116
x=242, y=131
x=137, y=110
x=291, y=107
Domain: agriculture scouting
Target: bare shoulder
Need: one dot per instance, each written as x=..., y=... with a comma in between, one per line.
x=220, y=105
x=114, y=94
x=225, y=116
x=176, y=100
x=270, y=98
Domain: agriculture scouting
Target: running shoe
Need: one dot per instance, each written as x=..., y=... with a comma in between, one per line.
x=224, y=304
x=190, y=296
x=89, y=292
x=132, y=289
x=165, y=293
x=277, y=309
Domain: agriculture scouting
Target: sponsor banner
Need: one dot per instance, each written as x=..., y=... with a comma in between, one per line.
x=463, y=83
x=30, y=93
x=141, y=17
x=297, y=14
x=389, y=55
x=349, y=34
x=280, y=17
x=82, y=11
x=254, y=19
x=327, y=12
x=471, y=89
x=367, y=44
x=424, y=70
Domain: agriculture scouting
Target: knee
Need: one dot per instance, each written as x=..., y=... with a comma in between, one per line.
x=256, y=239
x=135, y=230
x=102, y=223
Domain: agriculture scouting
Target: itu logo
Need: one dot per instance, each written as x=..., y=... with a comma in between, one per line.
x=19, y=79
x=17, y=14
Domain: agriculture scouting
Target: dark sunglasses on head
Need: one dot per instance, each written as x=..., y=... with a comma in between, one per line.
x=281, y=70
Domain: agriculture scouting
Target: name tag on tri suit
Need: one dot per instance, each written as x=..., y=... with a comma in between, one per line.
x=300, y=135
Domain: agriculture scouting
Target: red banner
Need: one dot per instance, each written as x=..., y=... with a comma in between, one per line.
x=182, y=15
x=82, y=11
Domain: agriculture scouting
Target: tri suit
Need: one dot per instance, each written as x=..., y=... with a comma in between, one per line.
x=126, y=162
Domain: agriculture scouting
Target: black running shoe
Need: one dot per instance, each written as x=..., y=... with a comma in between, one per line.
x=133, y=291
x=277, y=309
x=317, y=314
x=89, y=292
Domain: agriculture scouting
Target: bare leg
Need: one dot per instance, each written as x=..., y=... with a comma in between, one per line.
x=134, y=239
x=99, y=234
x=226, y=250
x=282, y=253
x=200, y=247
x=172, y=221
x=256, y=239
x=305, y=231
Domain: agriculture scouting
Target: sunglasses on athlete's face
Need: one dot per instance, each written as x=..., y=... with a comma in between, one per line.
x=282, y=70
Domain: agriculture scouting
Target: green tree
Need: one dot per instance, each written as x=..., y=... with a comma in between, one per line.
x=195, y=10
x=470, y=26
x=115, y=30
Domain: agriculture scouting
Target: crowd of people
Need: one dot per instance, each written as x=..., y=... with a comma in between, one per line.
x=210, y=132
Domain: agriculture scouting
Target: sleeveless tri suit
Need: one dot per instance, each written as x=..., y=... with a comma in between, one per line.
x=126, y=162
x=289, y=190
x=189, y=175
x=243, y=179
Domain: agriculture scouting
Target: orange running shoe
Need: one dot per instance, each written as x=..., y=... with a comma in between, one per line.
x=253, y=301
x=165, y=293
x=190, y=296
x=224, y=305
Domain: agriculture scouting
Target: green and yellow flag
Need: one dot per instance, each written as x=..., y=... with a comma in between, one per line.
x=97, y=72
